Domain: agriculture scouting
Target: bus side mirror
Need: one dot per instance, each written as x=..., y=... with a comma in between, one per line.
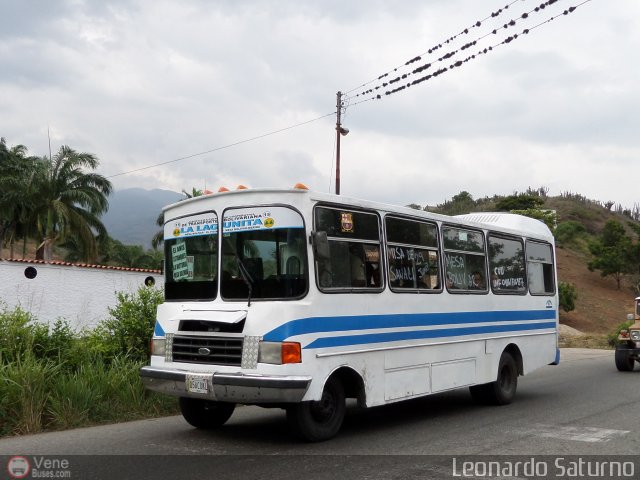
x=320, y=245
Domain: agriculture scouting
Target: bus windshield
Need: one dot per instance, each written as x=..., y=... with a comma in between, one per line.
x=263, y=254
x=191, y=257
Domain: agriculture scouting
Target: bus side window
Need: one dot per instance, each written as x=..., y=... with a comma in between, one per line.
x=465, y=260
x=412, y=255
x=506, y=264
x=354, y=249
x=540, y=268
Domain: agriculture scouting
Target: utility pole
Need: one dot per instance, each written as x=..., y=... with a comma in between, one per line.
x=338, y=128
x=340, y=132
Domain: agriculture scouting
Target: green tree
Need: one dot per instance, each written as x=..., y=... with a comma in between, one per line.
x=547, y=217
x=567, y=296
x=613, y=252
x=569, y=231
x=134, y=256
x=18, y=194
x=522, y=201
x=459, y=204
x=71, y=202
x=158, y=238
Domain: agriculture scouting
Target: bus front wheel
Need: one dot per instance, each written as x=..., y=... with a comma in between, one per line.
x=205, y=414
x=624, y=361
x=319, y=420
x=503, y=390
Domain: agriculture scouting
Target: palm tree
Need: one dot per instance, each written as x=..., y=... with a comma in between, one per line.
x=71, y=202
x=18, y=195
x=158, y=238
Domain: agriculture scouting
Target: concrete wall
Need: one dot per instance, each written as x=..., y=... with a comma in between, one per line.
x=80, y=294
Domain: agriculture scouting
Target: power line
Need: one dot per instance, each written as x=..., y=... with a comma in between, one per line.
x=436, y=47
x=240, y=142
x=467, y=45
x=459, y=63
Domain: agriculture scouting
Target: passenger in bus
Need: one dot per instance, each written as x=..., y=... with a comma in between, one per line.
x=477, y=282
x=358, y=274
x=450, y=284
x=426, y=281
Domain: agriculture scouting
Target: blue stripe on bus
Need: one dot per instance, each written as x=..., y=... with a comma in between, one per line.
x=304, y=326
x=346, y=340
x=158, y=331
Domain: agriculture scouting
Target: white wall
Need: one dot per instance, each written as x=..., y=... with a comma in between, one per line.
x=80, y=294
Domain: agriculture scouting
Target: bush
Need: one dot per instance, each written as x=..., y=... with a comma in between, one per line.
x=612, y=338
x=17, y=334
x=567, y=296
x=131, y=325
x=568, y=232
x=53, y=378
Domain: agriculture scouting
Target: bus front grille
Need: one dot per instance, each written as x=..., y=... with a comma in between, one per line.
x=207, y=350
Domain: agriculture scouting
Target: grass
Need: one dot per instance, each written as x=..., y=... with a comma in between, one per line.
x=53, y=378
x=37, y=395
x=585, y=341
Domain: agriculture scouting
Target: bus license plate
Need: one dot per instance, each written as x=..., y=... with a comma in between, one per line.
x=197, y=383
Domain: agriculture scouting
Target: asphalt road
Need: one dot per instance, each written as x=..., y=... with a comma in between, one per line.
x=583, y=406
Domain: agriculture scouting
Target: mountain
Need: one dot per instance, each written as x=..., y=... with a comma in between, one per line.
x=132, y=214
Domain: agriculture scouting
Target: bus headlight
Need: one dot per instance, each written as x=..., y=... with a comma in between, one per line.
x=279, y=353
x=158, y=346
x=635, y=335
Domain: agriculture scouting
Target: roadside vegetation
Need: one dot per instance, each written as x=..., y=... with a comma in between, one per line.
x=51, y=208
x=53, y=378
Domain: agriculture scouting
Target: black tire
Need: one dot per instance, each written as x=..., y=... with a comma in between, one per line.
x=503, y=390
x=319, y=420
x=205, y=414
x=624, y=361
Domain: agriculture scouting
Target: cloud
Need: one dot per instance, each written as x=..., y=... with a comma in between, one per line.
x=145, y=82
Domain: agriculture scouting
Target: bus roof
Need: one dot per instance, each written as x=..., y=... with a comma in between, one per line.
x=517, y=224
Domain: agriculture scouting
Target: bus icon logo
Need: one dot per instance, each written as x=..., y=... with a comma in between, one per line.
x=269, y=222
x=18, y=467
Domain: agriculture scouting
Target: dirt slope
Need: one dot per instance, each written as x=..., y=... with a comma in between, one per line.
x=600, y=306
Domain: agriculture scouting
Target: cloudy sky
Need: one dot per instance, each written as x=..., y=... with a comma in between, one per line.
x=144, y=82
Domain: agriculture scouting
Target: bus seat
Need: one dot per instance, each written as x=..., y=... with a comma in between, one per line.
x=254, y=267
x=293, y=266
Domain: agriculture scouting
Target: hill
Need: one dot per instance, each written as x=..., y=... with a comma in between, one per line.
x=132, y=214
x=600, y=306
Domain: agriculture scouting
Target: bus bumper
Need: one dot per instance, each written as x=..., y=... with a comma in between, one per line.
x=228, y=387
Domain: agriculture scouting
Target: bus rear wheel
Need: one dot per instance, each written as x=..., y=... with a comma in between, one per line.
x=205, y=414
x=503, y=390
x=319, y=420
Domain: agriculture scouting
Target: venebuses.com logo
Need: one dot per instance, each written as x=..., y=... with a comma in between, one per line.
x=18, y=467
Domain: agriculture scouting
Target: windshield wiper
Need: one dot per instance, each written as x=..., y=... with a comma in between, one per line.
x=246, y=277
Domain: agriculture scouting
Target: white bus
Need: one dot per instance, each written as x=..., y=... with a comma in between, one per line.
x=298, y=300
